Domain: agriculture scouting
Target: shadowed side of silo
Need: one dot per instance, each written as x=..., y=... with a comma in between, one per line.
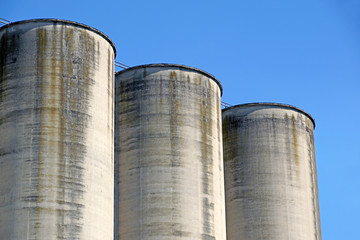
x=56, y=128
x=270, y=173
x=169, y=169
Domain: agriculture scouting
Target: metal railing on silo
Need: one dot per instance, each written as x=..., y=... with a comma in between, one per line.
x=121, y=65
x=3, y=21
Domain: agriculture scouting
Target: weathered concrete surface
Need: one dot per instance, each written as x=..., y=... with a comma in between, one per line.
x=169, y=154
x=56, y=128
x=270, y=173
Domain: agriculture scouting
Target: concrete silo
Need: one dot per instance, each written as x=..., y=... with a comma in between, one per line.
x=270, y=173
x=56, y=128
x=169, y=167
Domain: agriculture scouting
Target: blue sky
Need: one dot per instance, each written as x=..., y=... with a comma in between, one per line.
x=304, y=53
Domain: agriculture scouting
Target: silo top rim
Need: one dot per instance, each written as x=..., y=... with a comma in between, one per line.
x=54, y=20
x=272, y=105
x=155, y=65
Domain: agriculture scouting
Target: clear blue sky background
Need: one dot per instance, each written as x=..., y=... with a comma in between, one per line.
x=300, y=52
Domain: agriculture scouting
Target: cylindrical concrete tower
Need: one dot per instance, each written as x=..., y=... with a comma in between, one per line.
x=270, y=173
x=56, y=131
x=169, y=154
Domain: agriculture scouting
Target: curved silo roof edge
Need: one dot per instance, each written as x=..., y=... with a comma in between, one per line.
x=177, y=66
x=55, y=20
x=274, y=105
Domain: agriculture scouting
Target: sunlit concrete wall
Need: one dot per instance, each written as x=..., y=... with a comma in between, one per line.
x=56, y=131
x=169, y=168
x=270, y=173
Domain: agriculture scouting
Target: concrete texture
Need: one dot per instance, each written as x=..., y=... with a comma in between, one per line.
x=169, y=167
x=270, y=173
x=56, y=125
